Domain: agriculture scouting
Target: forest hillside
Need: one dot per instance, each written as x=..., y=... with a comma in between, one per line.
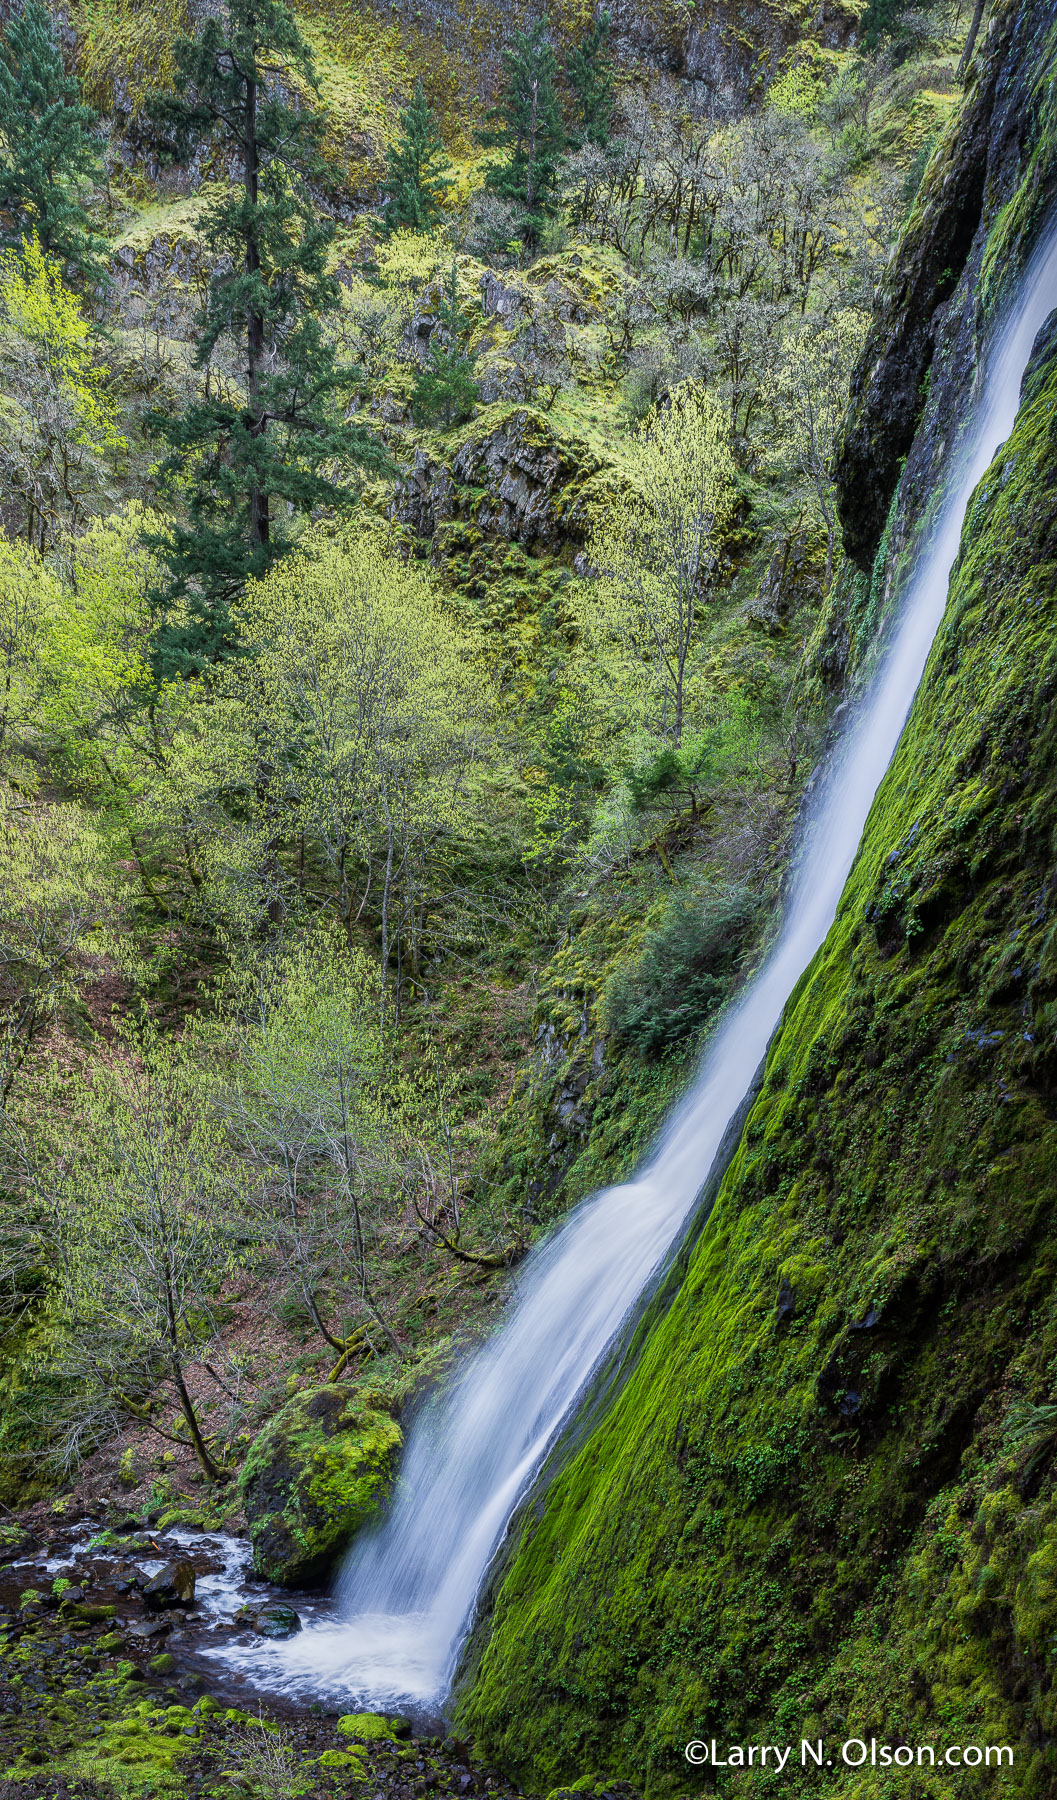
x=457, y=471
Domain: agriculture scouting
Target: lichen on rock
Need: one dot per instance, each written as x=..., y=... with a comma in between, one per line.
x=320, y=1469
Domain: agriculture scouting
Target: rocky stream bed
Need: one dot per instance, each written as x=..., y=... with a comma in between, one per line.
x=130, y=1664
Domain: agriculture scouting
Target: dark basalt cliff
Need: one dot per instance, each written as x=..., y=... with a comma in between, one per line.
x=824, y=1504
x=999, y=153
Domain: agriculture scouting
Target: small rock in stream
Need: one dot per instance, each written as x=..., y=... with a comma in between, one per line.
x=172, y=1586
x=277, y=1622
x=148, y=1629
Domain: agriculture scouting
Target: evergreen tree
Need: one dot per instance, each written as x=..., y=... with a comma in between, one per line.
x=445, y=389
x=416, y=181
x=49, y=146
x=881, y=19
x=589, y=73
x=246, y=460
x=527, y=124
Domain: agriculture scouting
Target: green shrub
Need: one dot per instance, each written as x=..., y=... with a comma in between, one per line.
x=684, y=973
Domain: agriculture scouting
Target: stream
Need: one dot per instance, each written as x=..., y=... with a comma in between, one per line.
x=213, y=1641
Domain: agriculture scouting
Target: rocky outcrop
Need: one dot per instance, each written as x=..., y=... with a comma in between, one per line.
x=1000, y=144
x=316, y=1474
x=513, y=476
x=721, y=51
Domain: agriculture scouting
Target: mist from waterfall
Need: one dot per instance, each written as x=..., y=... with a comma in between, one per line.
x=408, y=1588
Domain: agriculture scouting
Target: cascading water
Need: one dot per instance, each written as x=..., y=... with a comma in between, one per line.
x=408, y=1589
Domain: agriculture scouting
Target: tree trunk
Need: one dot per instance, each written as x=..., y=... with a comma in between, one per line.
x=259, y=511
x=970, y=42
x=209, y=1468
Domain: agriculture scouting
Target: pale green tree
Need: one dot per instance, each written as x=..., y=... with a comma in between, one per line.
x=29, y=596
x=137, y=1244
x=58, y=431
x=315, y=1111
x=808, y=392
x=655, y=558
x=356, y=726
x=58, y=906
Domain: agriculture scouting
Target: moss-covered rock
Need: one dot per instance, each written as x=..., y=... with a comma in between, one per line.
x=371, y=1728
x=318, y=1471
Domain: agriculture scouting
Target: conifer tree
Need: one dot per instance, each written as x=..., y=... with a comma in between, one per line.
x=527, y=124
x=416, y=180
x=247, y=457
x=589, y=73
x=49, y=146
x=445, y=389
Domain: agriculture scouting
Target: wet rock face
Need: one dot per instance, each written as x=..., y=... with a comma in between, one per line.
x=926, y=326
x=517, y=480
x=318, y=1471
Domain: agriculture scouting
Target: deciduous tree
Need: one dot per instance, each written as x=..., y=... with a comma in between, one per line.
x=138, y=1246
x=655, y=558
x=58, y=431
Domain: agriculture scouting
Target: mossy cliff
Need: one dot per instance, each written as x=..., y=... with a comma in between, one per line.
x=824, y=1504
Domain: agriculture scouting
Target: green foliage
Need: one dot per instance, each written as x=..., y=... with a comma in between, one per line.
x=445, y=390
x=266, y=442
x=29, y=592
x=314, y=1109
x=358, y=718
x=881, y=18
x=416, y=178
x=49, y=146
x=58, y=431
x=654, y=555
x=58, y=899
x=589, y=72
x=684, y=972
x=133, y=1225
x=527, y=125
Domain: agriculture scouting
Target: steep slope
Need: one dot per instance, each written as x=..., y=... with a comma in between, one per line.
x=824, y=1503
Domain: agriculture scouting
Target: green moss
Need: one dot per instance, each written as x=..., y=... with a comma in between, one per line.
x=368, y=1728
x=342, y=1759
x=806, y=1520
x=317, y=1472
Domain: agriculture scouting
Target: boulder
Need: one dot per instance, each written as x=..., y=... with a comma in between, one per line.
x=317, y=1472
x=277, y=1622
x=172, y=1586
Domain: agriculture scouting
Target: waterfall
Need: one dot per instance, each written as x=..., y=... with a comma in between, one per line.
x=408, y=1588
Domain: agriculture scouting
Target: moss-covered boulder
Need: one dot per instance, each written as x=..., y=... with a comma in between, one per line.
x=318, y=1471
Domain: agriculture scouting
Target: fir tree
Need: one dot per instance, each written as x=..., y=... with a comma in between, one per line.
x=527, y=124
x=416, y=181
x=589, y=73
x=49, y=146
x=445, y=389
x=245, y=460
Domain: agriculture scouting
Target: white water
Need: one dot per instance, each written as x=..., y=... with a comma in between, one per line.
x=408, y=1590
